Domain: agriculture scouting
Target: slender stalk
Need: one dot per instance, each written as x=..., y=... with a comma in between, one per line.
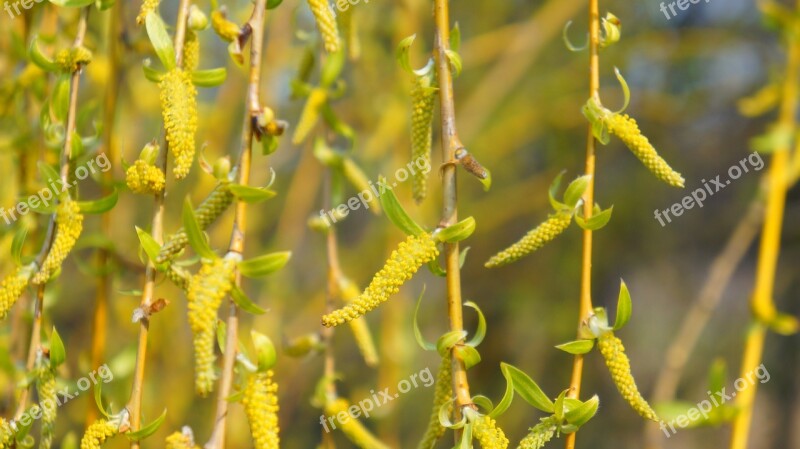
x=585, y=307
x=450, y=143
x=334, y=275
x=253, y=108
x=134, y=406
x=761, y=303
x=66, y=155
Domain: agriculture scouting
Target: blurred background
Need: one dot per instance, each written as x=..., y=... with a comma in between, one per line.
x=518, y=104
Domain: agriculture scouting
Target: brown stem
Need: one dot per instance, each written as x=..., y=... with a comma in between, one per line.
x=253, y=108
x=66, y=156
x=450, y=143
x=585, y=308
x=134, y=406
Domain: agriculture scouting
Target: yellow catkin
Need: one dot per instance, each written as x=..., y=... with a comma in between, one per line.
x=310, y=114
x=485, y=430
x=422, y=102
x=539, y=434
x=46, y=388
x=401, y=266
x=206, y=213
x=205, y=293
x=69, y=224
x=351, y=427
x=260, y=403
x=350, y=32
x=224, y=28
x=11, y=289
x=147, y=7
x=6, y=434
x=441, y=394
x=326, y=24
x=533, y=240
x=144, y=178
x=191, y=51
x=97, y=434
x=620, y=367
x=72, y=59
x=366, y=344
x=179, y=109
x=627, y=130
x=181, y=440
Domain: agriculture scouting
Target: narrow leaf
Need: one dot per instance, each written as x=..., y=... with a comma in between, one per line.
x=39, y=58
x=468, y=354
x=528, y=389
x=149, y=244
x=575, y=190
x=623, y=306
x=577, y=346
x=580, y=415
x=162, y=43
x=264, y=265
x=196, y=238
x=265, y=351
x=98, y=399
x=58, y=354
x=480, y=332
x=18, y=243
x=424, y=344
x=449, y=340
x=251, y=195
x=101, y=205
x=397, y=215
x=457, y=232
x=147, y=430
x=245, y=303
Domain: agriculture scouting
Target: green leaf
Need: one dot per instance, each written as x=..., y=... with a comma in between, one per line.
x=272, y=4
x=508, y=396
x=580, y=415
x=197, y=240
x=47, y=173
x=624, y=306
x=264, y=265
x=466, y=437
x=449, y=340
x=457, y=232
x=577, y=346
x=221, y=334
x=265, y=351
x=72, y=3
x=209, y=77
x=57, y=352
x=626, y=92
x=152, y=74
x=717, y=375
x=483, y=402
x=424, y=344
x=18, y=243
x=527, y=388
x=244, y=302
x=101, y=205
x=334, y=64
x=397, y=215
x=39, y=58
x=162, y=43
x=98, y=399
x=335, y=123
x=559, y=406
x=251, y=195
x=455, y=38
x=401, y=54
x=575, y=190
x=147, y=430
x=597, y=221
x=480, y=332
x=149, y=244
x=468, y=354
x=436, y=269
x=269, y=144
x=455, y=61
x=553, y=190
x=60, y=102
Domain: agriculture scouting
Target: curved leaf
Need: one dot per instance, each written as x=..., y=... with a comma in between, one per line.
x=623, y=306
x=101, y=205
x=58, y=354
x=162, y=43
x=147, y=430
x=425, y=344
x=39, y=58
x=72, y=3
x=575, y=190
x=244, y=302
x=196, y=238
x=469, y=355
x=457, y=232
x=397, y=215
x=209, y=77
x=264, y=265
x=149, y=244
x=265, y=351
x=152, y=74
x=18, y=243
x=580, y=415
x=480, y=332
x=577, y=346
x=449, y=340
x=251, y=195
x=527, y=388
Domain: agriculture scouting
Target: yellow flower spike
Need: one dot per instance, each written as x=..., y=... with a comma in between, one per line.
x=624, y=127
x=533, y=240
x=97, y=434
x=205, y=293
x=72, y=59
x=349, y=292
x=326, y=24
x=423, y=96
x=46, y=388
x=147, y=7
x=539, y=434
x=179, y=440
x=310, y=114
x=12, y=287
x=179, y=109
x=441, y=395
x=413, y=253
x=224, y=28
x=206, y=213
x=69, y=224
x=352, y=427
x=144, y=178
x=487, y=433
x=6, y=434
x=261, y=407
x=191, y=51
x=620, y=367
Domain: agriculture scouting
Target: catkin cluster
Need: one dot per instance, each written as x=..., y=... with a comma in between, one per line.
x=310, y=115
x=620, y=367
x=144, y=178
x=539, y=434
x=97, y=434
x=326, y=23
x=487, y=433
x=441, y=394
x=11, y=288
x=180, y=440
x=71, y=59
x=352, y=427
x=401, y=266
x=205, y=293
x=69, y=224
x=179, y=110
x=366, y=345
x=628, y=131
x=533, y=240
x=422, y=102
x=191, y=51
x=147, y=7
x=261, y=406
x=46, y=387
x=6, y=434
x=208, y=211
